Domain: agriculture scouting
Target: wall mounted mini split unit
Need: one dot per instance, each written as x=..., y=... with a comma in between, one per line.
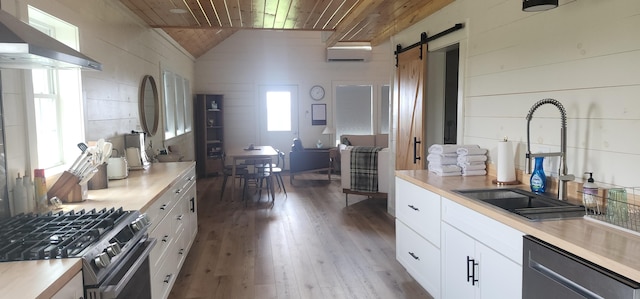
x=349, y=51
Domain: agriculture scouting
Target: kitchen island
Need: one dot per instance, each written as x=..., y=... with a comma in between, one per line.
x=140, y=191
x=614, y=249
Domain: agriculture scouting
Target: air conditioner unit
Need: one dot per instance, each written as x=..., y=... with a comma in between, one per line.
x=349, y=52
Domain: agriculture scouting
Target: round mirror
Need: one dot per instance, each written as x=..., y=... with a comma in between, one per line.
x=148, y=105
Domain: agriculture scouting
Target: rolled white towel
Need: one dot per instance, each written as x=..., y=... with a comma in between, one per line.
x=472, y=166
x=440, y=173
x=449, y=148
x=444, y=168
x=474, y=172
x=472, y=158
x=440, y=159
x=471, y=151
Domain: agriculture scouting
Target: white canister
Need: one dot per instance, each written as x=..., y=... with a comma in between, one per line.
x=117, y=168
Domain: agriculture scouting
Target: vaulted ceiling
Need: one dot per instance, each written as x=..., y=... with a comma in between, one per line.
x=199, y=25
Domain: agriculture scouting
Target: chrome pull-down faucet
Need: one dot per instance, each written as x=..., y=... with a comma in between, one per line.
x=563, y=177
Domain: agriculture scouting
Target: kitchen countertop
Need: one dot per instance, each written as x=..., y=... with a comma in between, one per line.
x=42, y=279
x=614, y=249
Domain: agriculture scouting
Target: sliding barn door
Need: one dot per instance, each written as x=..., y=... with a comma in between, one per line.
x=410, y=87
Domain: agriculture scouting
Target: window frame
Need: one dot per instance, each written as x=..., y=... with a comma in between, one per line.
x=178, y=114
x=66, y=86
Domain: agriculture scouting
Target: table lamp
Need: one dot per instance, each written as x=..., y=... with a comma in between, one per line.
x=329, y=131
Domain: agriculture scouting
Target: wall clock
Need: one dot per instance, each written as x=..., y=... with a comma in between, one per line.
x=317, y=92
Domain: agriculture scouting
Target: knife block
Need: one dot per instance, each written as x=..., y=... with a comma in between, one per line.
x=63, y=186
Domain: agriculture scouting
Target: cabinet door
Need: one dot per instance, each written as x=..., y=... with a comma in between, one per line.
x=72, y=290
x=458, y=254
x=499, y=276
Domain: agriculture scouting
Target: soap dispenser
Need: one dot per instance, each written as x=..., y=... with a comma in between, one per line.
x=590, y=192
x=538, y=180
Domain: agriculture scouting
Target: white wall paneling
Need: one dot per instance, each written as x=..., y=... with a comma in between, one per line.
x=583, y=53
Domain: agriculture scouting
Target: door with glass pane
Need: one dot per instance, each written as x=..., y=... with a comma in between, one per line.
x=278, y=116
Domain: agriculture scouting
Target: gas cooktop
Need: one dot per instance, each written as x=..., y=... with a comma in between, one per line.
x=60, y=234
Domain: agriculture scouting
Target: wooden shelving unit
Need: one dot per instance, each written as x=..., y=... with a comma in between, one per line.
x=209, y=129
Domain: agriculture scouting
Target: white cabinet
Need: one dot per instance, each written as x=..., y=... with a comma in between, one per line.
x=418, y=234
x=72, y=290
x=481, y=257
x=174, y=225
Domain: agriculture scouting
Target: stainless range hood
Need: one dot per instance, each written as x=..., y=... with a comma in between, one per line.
x=24, y=47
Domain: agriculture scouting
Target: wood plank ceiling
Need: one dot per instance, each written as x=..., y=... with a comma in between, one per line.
x=199, y=25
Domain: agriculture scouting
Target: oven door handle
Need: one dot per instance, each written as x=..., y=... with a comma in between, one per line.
x=113, y=291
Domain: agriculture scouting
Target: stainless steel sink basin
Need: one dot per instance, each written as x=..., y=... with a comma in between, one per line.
x=532, y=206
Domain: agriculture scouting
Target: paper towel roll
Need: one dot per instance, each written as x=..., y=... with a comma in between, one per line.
x=506, y=171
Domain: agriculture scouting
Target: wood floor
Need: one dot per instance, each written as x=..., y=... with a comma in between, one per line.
x=305, y=245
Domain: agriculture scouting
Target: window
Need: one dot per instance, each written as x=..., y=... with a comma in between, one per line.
x=278, y=111
x=354, y=110
x=177, y=101
x=51, y=115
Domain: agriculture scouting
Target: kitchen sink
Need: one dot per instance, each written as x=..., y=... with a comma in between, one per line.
x=534, y=207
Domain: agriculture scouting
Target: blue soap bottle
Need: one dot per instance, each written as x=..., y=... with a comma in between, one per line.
x=538, y=180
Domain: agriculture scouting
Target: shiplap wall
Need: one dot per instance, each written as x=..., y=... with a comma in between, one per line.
x=585, y=53
x=128, y=50
x=241, y=64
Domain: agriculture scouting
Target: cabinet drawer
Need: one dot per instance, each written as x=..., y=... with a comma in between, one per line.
x=164, y=236
x=159, y=209
x=419, y=209
x=163, y=279
x=419, y=257
x=498, y=236
x=183, y=184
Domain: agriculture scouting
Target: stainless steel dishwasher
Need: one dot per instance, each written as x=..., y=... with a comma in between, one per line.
x=550, y=272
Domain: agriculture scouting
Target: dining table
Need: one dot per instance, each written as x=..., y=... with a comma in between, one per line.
x=255, y=152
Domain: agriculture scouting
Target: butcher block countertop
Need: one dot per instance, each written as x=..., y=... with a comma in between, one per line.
x=42, y=279
x=614, y=249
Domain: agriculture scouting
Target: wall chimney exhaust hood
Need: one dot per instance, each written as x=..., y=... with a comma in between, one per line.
x=24, y=47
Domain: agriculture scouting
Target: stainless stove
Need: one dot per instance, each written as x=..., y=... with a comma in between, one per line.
x=112, y=243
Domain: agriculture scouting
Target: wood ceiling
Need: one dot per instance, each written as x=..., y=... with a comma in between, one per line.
x=200, y=25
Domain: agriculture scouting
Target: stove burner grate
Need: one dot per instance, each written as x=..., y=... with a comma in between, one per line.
x=54, y=235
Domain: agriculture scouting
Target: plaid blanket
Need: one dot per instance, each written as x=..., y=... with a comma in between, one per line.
x=364, y=168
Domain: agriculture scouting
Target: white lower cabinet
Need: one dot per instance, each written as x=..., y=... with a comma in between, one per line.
x=453, y=251
x=175, y=224
x=418, y=234
x=419, y=257
x=481, y=258
x=72, y=290
x=473, y=270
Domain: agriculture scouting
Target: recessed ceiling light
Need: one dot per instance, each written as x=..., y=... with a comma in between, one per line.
x=178, y=10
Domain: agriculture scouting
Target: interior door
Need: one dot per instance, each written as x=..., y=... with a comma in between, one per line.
x=278, y=116
x=409, y=88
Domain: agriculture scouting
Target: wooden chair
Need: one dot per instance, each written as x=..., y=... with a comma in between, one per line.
x=241, y=170
x=259, y=175
x=276, y=169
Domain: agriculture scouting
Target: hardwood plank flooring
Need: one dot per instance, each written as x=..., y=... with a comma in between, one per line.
x=304, y=245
